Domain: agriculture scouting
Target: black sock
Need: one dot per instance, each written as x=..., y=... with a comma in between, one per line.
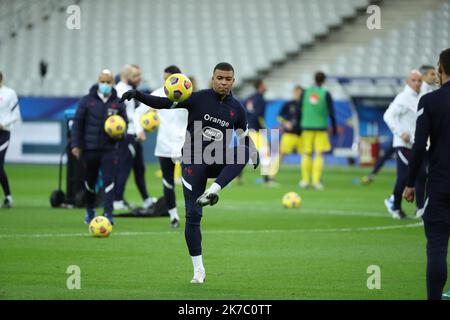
x=4, y=182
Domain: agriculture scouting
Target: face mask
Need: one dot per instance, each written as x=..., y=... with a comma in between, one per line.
x=104, y=88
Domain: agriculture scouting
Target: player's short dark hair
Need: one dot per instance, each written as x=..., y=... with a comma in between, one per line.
x=320, y=78
x=444, y=61
x=257, y=83
x=223, y=66
x=172, y=69
x=425, y=68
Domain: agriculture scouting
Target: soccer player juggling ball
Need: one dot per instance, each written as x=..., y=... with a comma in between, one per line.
x=213, y=114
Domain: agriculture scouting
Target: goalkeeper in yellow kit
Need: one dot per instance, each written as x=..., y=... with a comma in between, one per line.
x=316, y=106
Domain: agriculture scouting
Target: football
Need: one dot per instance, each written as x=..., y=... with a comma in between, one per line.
x=291, y=200
x=178, y=87
x=150, y=121
x=100, y=227
x=115, y=126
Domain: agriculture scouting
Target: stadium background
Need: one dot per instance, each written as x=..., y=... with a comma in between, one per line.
x=283, y=42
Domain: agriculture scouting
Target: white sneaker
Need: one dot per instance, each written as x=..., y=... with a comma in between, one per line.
x=318, y=187
x=149, y=202
x=120, y=205
x=303, y=185
x=389, y=203
x=199, y=276
x=7, y=203
x=419, y=213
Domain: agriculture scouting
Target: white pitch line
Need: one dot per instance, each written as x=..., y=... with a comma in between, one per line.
x=263, y=231
x=265, y=208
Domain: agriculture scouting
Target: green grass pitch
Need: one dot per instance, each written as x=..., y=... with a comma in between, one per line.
x=253, y=248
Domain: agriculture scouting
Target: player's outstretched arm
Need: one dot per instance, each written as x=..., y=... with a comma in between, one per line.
x=153, y=101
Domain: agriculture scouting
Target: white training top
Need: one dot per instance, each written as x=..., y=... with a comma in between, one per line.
x=401, y=116
x=130, y=105
x=9, y=108
x=171, y=131
x=426, y=88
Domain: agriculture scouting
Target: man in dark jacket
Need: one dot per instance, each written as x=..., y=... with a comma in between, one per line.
x=93, y=146
x=433, y=122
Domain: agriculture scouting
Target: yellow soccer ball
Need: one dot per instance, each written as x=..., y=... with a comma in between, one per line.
x=115, y=126
x=150, y=121
x=100, y=227
x=178, y=87
x=291, y=200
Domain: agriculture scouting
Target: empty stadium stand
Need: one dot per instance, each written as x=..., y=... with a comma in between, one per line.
x=254, y=35
x=284, y=40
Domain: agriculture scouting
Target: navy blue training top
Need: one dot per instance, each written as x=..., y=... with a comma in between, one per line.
x=88, y=125
x=434, y=122
x=212, y=119
x=291, y=112
x=256, y=108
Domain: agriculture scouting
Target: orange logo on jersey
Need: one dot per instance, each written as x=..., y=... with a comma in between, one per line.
x=314, y=98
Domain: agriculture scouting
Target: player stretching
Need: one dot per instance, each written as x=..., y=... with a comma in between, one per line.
x=212, y=116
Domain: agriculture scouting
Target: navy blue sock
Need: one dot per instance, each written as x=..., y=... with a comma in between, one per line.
x=139, y=171
x=193, y=235
x=437, y=234
x=169, y=196
x=4, y=182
